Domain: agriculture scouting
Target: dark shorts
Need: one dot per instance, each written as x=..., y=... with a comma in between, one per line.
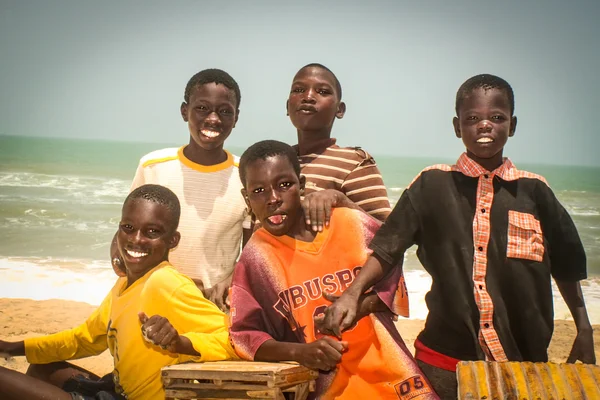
x=82, y=388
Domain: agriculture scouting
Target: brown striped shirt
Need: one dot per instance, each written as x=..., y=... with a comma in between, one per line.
x=351, y=170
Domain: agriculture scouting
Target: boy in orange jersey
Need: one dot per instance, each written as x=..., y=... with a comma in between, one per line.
x=288, y=274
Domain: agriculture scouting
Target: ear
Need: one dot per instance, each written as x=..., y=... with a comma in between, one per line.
x=184, y=111
x=341, y=110
x=302, y=183
x=174, y=241
x=287, y=108
x=456, y=127
x=245, y=196
x=513, y=126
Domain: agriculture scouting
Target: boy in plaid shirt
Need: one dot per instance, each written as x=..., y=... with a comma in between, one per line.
x=491, y=236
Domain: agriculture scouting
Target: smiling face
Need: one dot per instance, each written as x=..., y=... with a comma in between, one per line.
x=272, y=191
x=314, y=103
x=211, y=114
x=145, y=236
x=484, y=123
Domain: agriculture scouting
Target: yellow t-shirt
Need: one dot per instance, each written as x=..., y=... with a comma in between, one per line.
x=115, y=325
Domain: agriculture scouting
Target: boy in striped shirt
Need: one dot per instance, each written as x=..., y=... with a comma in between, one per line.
x=331, y=171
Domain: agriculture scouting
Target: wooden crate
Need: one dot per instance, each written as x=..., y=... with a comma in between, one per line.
x=526, y=380
x=237, y=380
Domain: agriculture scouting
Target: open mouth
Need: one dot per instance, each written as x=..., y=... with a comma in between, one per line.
x=136, y=254
x=210, y=133
x=485, y=140
x=277, y=219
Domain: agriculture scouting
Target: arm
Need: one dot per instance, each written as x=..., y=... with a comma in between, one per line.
x=364, y=186
x=398, y=233
x=323, y=354
x=568, y=267
x=191, y=326
x=317, y=207
x=88, y=339
x=583, y=347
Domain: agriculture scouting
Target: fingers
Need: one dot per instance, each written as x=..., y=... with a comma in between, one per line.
x=143, y=317
x=306, y=209
x=158, y=330
x=330, y=297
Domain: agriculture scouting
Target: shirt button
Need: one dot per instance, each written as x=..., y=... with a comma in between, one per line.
x=480, y=286
x=480, y=248
x=486, y=325
x=483, y=210
x=486, y=176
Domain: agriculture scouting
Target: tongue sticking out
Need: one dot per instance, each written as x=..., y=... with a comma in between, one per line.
x=276, y=219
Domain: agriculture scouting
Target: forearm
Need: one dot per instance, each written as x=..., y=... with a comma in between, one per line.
x=13, y=349
x=573, y=297
x=184, y=346
x=371, y=304
x=274, y=351
x=372, y=272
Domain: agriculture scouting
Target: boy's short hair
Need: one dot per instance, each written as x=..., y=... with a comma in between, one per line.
x=485, y=82
x=265, y=149
x=160, y=195
x=212, y=75
x=338, y=86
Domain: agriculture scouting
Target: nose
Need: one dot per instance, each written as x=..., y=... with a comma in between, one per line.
x=135, y=237
x=213, y=117
x=484, y=125
x=274, y=197
x=309, y=96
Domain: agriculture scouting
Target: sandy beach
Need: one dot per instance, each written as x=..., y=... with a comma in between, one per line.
x=23, y=318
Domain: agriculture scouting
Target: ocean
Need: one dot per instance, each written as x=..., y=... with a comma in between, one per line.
x=60, y=203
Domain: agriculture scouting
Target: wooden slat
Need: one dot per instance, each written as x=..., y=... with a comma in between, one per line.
x=514, y=380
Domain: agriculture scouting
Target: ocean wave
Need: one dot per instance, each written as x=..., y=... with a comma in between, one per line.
x=88, y=188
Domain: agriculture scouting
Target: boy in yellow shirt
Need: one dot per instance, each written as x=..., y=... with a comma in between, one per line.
x=183, y=326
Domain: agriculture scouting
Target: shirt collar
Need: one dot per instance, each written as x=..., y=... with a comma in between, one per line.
x=316, y=147
x=471, y=168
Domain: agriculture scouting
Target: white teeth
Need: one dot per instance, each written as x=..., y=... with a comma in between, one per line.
x=485, y=140
x=210, y=134
x=136, y=254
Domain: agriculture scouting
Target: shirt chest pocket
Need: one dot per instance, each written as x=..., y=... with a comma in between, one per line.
x=525, y=238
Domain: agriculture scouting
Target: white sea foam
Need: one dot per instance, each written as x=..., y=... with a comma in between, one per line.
x=44, y=279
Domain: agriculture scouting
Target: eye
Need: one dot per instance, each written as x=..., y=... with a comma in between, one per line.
x=153, y=233
x=498, y=117
x=324, y=91
x=285, y=184
x=226, y=111
x=201, y=108
x=297, y=90
x=472, y=118
x=126, y=227
x=258, y=190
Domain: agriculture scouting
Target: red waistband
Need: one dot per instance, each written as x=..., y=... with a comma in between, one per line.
x=434, y=358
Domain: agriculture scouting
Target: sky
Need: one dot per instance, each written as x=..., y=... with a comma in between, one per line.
x=118, y=69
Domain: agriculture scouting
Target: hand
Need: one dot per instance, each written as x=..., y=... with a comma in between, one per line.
x=365, y=307
x=10, y=349
x=317, y=207
x=218, y=293
x=323, y=354
x=159, y=331
x=583, y=347
x=339, y=316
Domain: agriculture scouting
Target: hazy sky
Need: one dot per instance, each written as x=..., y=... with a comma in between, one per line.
x=117, y=69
